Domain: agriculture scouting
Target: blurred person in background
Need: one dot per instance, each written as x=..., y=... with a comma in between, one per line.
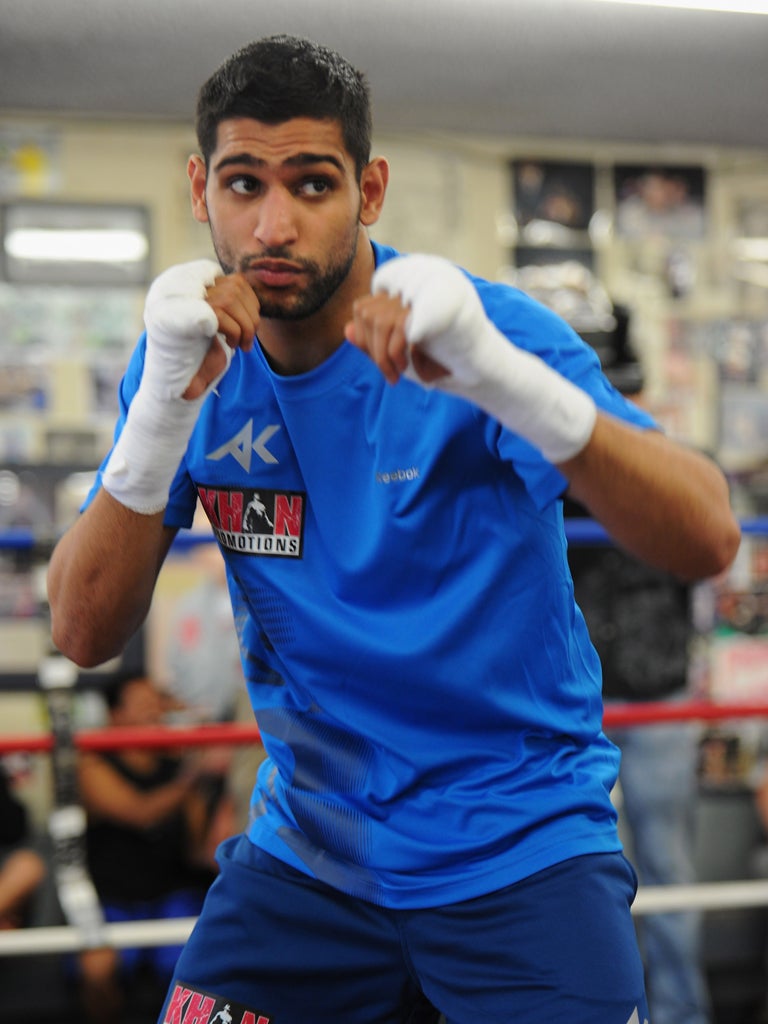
x=201, y=645
x=149, y=817
x=640, y=621
x=22, y=869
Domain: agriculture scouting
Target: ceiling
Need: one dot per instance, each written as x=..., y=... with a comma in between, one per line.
x=554, y=69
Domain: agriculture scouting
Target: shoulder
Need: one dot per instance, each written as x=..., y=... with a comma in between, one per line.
x=535, y=328
x=531, y=325
x=383, y=253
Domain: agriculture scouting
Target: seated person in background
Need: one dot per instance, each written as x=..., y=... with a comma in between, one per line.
x=148, y=814
x=640, y=622
x=22, y=869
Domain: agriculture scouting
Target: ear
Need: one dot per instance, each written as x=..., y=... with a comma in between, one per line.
x=197, y=178
x=373, y=186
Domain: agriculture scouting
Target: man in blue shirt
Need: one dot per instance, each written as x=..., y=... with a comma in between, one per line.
x=431, y=831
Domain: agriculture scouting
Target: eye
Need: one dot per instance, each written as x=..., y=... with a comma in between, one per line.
x=244, y=184
x=315, y=186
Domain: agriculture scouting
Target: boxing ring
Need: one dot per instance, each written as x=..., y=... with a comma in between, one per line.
x=85, y=927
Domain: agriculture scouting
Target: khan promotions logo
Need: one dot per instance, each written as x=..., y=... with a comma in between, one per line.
x=256, y=522
x=193, y=1006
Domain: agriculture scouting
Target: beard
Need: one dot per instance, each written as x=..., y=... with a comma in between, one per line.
x=323, y=282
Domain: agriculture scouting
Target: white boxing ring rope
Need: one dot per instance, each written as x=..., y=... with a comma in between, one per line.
x=656, y=899
x=38, y=940
x=68, y=939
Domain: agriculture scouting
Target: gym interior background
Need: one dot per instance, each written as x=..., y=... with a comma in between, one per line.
x=672, y=230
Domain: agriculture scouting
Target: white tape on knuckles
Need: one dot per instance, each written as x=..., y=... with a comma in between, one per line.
x=180, y=327
x=448, y=320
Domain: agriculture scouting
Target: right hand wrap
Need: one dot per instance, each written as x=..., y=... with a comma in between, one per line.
x=448, y=321
x=180, y=326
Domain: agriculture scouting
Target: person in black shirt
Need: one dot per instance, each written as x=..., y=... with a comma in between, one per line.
x=22, y=869
x=148, y=812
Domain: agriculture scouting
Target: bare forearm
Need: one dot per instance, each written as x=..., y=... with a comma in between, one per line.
x=108, y=795
x=662, y=502
x=150, y=808
x=101, y=579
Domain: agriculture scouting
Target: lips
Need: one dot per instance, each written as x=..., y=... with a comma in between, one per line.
x=275, y=273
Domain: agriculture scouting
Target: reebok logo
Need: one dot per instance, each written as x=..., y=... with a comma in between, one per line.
x=256, y=522
x=397, y=476
x=242, y=445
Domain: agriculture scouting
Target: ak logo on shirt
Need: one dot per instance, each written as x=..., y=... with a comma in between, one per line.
x=189, y=1005
x=256, y=522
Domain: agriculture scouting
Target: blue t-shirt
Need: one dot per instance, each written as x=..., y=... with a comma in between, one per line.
x=424, y=684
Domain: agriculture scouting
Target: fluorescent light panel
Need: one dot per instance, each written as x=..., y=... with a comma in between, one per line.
x=81, y=245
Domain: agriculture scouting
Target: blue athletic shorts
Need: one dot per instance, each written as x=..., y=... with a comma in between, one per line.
x=274, y=946
x=162, y=959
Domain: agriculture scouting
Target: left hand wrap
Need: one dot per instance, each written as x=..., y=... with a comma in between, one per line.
x=180, y=328
x=521, y=391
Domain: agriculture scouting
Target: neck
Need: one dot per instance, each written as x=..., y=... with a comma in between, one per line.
x=298, y=346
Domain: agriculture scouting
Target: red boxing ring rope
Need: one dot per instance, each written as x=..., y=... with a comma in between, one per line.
x=146, y=738
x=236, y=734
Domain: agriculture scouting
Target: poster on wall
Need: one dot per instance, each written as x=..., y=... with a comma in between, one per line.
x=553, y=202
x=685, y=382
x=30, y=161
x=740, y=350
x=751, y=215
x=743, y=441
x=660, y=201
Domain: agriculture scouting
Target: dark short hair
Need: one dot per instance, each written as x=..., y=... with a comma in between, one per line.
x=281, y=77
x=116, y=686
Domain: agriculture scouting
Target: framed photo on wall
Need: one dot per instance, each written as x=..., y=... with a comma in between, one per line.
x=553, y=203
x=660, y=201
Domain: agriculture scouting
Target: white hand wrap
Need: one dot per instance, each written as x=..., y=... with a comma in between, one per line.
x=180, y=325
x=520, y=390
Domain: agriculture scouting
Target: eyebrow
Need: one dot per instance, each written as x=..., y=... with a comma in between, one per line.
x=299, y=160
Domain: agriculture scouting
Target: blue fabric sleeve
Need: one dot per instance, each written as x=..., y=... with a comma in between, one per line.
x=536, y=329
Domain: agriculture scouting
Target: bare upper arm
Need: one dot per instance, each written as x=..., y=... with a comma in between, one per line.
x=101, y=578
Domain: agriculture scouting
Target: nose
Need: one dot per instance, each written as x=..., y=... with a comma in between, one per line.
x=276, y=222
